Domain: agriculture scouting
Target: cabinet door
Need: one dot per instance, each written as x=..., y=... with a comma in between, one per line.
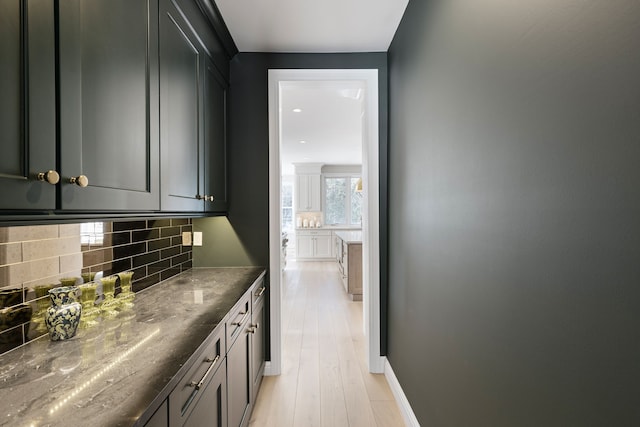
x=159, y=418
x=308, y=193
x=304, y=246
x=108, y=77
x=211, y=409
x=258, y=338
x=239, y=380
x=215, y=138
x=180, y=108
x=27, y=104
x=322, y=246
x=336, y=248
x=302, y=193
x=314, y=193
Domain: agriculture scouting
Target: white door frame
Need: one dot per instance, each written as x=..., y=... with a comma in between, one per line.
x=370, y=218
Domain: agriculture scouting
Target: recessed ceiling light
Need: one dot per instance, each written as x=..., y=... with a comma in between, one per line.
x=303, y=142
x=297, y=110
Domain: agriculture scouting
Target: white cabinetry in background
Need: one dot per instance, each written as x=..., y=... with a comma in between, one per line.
x=308, y=187
x=308, y=193
x=313, y=244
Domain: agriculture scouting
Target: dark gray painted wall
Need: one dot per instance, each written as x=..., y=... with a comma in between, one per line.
x=514, y=221
x=249, y=144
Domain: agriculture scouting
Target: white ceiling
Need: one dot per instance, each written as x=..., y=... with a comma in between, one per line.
x=312, y=25
x=330, y=123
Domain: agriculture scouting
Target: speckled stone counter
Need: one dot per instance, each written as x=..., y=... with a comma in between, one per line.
x=351, y=237
x=111, y=374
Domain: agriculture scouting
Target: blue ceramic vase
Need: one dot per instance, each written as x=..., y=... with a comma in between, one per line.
x=63, y=316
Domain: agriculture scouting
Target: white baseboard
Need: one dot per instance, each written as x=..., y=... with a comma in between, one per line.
x=405, y=408
x=267, y=369
x=377, y=364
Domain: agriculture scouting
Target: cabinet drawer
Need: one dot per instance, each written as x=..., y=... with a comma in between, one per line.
x=185, y=396
x=238, y=319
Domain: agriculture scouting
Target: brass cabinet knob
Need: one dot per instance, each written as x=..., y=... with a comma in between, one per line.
x=211, y=198
x=52, y=177
x=80, y=181
x=206, y=197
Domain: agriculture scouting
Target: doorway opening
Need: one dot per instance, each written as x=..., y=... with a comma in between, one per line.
x=278, y=80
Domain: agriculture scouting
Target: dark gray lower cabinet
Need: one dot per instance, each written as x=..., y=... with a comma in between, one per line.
x=218, y=389
x=194, y=393
x=239, y=374
x=239, y=381
x=258, y=333
x=159, y=418
x=211, y=409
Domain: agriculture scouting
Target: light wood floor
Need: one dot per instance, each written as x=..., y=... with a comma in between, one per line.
x=324, y=379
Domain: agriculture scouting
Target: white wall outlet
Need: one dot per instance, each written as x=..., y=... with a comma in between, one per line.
x=186, y=238
x=197, y=238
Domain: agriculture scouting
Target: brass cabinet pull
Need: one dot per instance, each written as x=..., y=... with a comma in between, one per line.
x=80, y=180
x=261, y=291
x=251, y=330
x=206, y=197
x=52, y=177
x=255, y=325
x=241, y=320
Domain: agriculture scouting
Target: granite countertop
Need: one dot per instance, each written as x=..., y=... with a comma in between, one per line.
x=110, y=374
x=351, y=237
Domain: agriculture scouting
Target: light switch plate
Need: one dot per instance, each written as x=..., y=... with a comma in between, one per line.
x=197, y=238
x=186, y=238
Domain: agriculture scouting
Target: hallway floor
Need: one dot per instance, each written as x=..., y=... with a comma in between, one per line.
x=324, y=379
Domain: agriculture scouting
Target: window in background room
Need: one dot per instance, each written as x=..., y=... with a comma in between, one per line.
x=92, y=233
x=287, y=206
x=355, y=203
x=343, y=205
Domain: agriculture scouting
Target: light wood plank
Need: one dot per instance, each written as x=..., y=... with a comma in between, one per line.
x=324, y=380
x=387, y=413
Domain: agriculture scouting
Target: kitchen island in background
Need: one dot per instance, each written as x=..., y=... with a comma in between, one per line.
x=349, y=256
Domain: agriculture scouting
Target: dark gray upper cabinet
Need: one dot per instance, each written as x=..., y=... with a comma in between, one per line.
x=111, y=106
x=108, y=79
x=27, y=104
x=215, y=138
x=180, y=112
x=192, y=115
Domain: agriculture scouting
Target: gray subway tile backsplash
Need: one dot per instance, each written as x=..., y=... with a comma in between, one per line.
x=37, y=255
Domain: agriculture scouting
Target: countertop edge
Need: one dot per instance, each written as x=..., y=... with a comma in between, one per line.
x=157, y=402
x=350, y=237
